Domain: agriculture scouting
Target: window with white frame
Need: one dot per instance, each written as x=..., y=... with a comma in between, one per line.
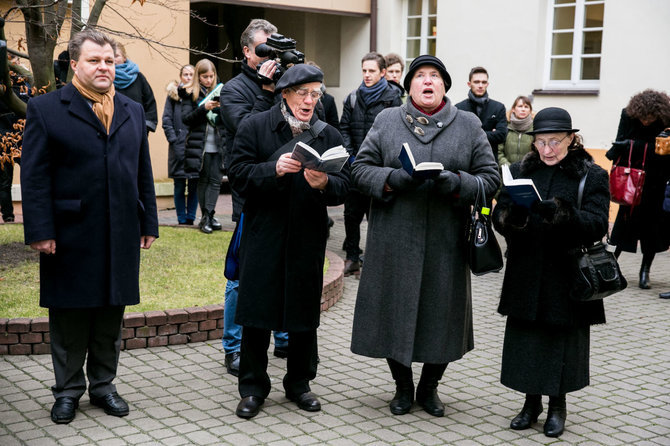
x=575, y=43
x=421, y=28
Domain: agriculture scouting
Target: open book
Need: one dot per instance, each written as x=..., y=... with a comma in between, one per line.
x=522, y=190
x=420, y=171
x=332, y=160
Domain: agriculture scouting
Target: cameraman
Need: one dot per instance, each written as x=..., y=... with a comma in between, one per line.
x=243, y=96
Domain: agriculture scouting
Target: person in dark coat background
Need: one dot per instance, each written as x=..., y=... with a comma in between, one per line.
x=414, y=302
x=546, y=346
x=491, y=113
x=284, y=238
x=645, y=116
x=130, y=82
x=175, y=132
x=88, y=207
x=361, y=108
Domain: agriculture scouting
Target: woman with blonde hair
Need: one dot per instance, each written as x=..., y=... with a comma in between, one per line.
x=205, y=140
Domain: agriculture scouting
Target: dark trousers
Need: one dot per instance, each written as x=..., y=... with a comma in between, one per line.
x=300, y=364
x=356, y=206
x=209, y=183
x=76, y=332
x=185, y=205
x=6, y=207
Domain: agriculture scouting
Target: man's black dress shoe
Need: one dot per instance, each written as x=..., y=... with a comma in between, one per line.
x=665, y=295
x=281, y=352
x=249, y=406
x=112, y=403
x=63, y=410
x=306, y=401
x=233, y=363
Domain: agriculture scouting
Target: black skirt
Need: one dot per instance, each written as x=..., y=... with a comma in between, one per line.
x=541, y=360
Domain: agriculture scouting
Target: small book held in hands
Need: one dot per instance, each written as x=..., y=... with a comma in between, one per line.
x=421, y=171
x=332, y=160
x=522, y=190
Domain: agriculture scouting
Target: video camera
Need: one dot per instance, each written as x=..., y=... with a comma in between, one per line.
x=282, y=50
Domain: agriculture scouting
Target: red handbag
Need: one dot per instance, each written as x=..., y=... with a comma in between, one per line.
x=626, y=183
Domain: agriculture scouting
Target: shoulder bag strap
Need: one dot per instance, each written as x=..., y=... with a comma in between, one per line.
x=580, y=192
x=644, y=158
x=307, y=137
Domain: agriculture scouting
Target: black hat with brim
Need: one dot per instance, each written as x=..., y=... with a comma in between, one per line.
x=298, y=75
x=427, y=59
x=552, y=120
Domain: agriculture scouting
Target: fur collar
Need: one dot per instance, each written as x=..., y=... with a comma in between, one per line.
x=172, y=91
x=575, y=163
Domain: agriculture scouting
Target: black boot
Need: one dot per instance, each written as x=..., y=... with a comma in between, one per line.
x=213, y=222
x=532, y=408
x=644, y=277
x=426, y=391
x=404, y=388
x=205, y=225
x=556, y=415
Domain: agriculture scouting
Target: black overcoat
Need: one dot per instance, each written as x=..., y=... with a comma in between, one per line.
x=175, y=132
x=285, y=227
x=646, y=222
x=140, y=91
x=91, y=192
x=540, y=256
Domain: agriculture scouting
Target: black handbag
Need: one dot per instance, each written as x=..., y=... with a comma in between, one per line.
x=598, y=273
x=484, y=255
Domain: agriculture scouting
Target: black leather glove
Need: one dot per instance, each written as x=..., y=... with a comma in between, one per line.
x=545, y=209
x=447, y=182
x=517, y=217
x=399, y=180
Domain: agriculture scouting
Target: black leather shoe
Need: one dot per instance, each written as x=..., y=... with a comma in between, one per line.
x=249, y=406
x=352, y=267
x=526, y=417
x=205, y=225
x=306, y=401
x=665, y=295
x=644, y=278
x=430, y=402
x=233, y=363
x=214, y=223
x=281, y=352
x=402, y=401
x=63, y=410
x=112, y=403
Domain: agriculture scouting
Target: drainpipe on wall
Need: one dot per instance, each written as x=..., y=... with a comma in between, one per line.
x=373, y=25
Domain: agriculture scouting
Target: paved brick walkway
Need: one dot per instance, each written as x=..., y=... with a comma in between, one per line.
x=181, y=395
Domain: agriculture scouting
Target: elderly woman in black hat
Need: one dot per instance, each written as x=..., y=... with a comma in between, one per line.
x=414, y=302
x=284, y=237
x=546, y=346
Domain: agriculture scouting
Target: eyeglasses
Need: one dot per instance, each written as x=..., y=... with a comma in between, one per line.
x=303, y=92
x=552, y=143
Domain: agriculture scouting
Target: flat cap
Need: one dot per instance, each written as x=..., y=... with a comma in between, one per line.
x=299, y=74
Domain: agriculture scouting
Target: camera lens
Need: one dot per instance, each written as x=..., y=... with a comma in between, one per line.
x=263, y=50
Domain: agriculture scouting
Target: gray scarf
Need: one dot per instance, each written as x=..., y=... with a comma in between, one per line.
x=297, y=126
x=520, y=125
x=480, y=102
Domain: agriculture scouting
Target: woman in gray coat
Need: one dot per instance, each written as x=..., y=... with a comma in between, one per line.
x=414, y=302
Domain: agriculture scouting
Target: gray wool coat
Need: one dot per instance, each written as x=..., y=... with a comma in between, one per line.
x=414, y=302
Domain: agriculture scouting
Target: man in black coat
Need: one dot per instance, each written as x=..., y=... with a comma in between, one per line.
x=361, y=108
x=284, y=239
x=243, y=96
x=490, y=112
x=88, y=207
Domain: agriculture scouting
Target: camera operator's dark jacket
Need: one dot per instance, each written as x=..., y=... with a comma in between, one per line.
x=241, y=97
x=195, y=118
x=357, y=119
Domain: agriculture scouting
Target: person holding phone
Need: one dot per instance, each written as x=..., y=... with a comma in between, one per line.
x=205, y=141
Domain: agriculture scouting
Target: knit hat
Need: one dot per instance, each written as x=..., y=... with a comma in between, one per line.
x=552, y=120
x=427, y=59
x=299, y=74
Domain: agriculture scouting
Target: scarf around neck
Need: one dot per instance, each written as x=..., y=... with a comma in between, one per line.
x=126, y=73
x=103, y=103
x=372, y=94
x=520, y=125
x=297, y=126
x=480, y=101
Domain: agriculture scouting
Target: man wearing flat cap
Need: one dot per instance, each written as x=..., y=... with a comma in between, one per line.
x=283, y=238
